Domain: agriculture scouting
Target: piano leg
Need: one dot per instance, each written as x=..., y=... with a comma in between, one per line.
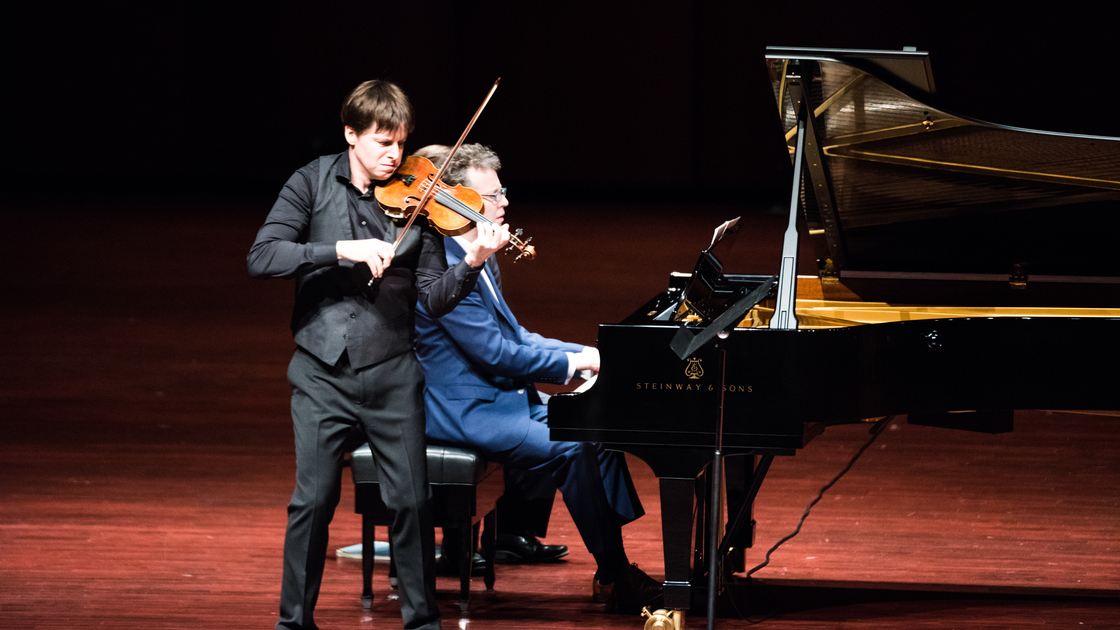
x=739, y=475
x=677, y=503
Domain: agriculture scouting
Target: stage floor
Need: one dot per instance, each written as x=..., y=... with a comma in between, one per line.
x=146, y=459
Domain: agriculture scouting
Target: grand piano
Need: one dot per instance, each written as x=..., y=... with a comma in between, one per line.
x=965, y=270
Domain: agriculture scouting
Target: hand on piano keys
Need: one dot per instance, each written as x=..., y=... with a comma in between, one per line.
x=586, y=362
x=587, y=384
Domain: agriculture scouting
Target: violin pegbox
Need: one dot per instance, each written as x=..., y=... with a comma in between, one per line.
x=525, y=250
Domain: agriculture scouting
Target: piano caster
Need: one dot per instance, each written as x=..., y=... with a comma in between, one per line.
x=662, y=619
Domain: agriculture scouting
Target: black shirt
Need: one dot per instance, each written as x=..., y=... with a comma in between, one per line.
x=282, y=250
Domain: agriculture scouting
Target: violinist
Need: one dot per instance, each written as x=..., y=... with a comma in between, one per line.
x=354, y=365
x=481, y=367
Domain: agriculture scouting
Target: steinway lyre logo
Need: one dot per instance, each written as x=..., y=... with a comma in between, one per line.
x=693, y=369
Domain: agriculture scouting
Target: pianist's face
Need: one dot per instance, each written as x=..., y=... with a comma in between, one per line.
x=486, y=183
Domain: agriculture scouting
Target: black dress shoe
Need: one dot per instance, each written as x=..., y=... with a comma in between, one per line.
x=630, y=593
x=448, y=565
x=513, y=549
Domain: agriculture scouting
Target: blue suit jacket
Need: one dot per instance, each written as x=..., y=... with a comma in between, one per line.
x=480, y=365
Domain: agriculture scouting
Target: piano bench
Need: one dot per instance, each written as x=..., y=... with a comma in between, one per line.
x=465, y=491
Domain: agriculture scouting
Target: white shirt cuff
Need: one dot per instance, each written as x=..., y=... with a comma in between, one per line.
x=571, y=367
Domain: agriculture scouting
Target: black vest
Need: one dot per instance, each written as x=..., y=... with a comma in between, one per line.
x=335, y=309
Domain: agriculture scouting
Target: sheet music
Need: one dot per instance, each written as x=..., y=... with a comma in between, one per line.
x=722, y=230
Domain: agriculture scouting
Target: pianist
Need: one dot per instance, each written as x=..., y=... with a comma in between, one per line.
x=481, y=366
x=525, y=506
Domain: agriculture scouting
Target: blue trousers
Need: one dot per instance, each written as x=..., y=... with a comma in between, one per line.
x=594, y=482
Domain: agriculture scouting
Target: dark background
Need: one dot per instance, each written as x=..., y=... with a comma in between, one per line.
x=599, y=100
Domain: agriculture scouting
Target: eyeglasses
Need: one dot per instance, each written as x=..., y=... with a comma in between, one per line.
x=498, y=196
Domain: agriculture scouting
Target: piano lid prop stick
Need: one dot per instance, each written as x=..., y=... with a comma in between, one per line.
x=784, y=316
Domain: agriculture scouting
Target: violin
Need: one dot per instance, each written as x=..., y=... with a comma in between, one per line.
x=452, y=210
x=432, y=187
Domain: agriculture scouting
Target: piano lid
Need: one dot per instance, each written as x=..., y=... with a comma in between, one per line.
x=911, y=203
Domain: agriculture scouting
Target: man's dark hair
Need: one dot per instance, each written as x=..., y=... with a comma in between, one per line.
x=377, y=103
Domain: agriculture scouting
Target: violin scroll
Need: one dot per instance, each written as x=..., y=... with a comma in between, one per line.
x=452, y=210
x=525, y=250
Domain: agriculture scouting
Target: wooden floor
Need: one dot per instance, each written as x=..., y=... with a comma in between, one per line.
x=146, y=457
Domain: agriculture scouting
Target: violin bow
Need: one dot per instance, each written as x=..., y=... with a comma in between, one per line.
x=439, y=174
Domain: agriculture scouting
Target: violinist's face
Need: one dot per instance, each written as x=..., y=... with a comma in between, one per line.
x=486, y=182
x=375, y=154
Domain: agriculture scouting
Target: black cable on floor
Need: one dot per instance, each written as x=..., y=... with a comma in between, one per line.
x=875, y=431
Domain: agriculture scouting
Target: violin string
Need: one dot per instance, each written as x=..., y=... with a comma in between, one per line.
x=468, y=212
x=462, y=209
x=454, y=203
x=459, y=207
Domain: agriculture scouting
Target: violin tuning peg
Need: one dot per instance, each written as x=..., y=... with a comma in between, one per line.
x=529, y=252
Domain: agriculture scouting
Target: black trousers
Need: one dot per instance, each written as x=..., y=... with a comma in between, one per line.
x=386, y=402
x=526, y=506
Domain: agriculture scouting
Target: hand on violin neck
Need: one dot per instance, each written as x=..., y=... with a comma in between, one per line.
x=488, y=238
x=377, y=254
